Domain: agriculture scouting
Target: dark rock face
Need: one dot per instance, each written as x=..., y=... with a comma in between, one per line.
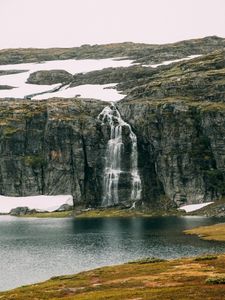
x=181, y=149
x=58, y=147
x=49, y=77
x=52, y=147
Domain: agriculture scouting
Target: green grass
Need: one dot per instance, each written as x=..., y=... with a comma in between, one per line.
x=61, y=214
x=113, y=213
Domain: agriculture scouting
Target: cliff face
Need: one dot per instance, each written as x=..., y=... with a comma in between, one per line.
x=181, y=149
x=58, y=146
x=51, y=147
x=178, y=116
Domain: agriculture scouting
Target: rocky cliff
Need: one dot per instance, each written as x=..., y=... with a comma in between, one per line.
x=51, y=147
x=58, y=146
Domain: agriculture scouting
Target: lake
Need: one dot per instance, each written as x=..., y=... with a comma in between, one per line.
x=33, y=250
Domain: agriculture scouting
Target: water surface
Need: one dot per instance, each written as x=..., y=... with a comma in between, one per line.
x=33, y=250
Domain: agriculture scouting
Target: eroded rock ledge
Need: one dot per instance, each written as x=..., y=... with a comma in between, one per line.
x=57, y=146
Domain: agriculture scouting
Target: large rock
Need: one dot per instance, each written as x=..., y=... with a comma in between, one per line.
x=49, y=77
x=22, y=211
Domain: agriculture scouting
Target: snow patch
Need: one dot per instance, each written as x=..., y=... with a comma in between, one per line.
x=193, y=207
x=40, y=203
x=168, y=62
x=104, y=92
x=23, y=89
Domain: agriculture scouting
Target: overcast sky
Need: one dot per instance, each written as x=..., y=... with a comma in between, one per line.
x=66, y=23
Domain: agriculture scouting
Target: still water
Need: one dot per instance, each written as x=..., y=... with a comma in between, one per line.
x=33, y=250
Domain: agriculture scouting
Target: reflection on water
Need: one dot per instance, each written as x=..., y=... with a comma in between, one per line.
x=32, y=250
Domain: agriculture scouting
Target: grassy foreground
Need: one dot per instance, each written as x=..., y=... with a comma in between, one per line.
x=211, y=233
x=188, y=278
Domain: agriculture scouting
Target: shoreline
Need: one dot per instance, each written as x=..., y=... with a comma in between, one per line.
x=201, y=277
x=209, y=233
x=100, y=213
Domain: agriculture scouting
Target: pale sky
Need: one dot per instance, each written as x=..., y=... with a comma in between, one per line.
x=68, y=23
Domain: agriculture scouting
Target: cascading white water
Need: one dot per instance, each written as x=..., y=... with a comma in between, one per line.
x=115, y=146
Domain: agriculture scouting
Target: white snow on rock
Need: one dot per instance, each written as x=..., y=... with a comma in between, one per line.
x=104, y=92
x=193, y=207
x=168, y=62
x=40, y=203
x=23, y=89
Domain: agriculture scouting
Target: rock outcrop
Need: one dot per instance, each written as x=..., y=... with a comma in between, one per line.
x=22, y=211
x=49, y=77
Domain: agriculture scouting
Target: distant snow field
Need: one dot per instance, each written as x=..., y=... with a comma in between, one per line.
x=104, y=92
x=23, y=89
x=40, y=203
x=193, y=207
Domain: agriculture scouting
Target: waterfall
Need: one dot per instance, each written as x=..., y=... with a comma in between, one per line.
x=115, y=146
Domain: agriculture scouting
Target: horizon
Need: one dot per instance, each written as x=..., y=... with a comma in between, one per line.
x=114, y=43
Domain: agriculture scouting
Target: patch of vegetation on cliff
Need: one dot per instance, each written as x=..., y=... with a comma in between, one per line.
x=178, y=279
x=8, y=131
x=35, y=161
x=18, y=111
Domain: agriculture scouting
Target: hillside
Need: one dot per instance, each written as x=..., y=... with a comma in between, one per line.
x=142, y=53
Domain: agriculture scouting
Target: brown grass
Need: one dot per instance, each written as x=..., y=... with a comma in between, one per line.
x=210, y=233
x=175, y=280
